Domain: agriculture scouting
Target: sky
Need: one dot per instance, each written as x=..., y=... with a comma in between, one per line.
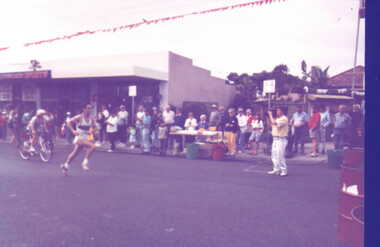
x=246, y=40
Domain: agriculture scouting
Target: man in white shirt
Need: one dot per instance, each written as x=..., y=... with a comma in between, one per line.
x=102, y=116
x=139, y=124
x=243, y=129
x=122, y=124
x=112, y=124
x=168, y=117
x=299, y=123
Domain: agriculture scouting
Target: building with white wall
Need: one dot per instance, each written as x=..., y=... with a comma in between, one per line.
x=161, y=78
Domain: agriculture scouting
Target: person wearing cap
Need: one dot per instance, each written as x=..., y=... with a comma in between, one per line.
x=280, y=128
x=36, y=126
x=85, y=126
x=231, y=127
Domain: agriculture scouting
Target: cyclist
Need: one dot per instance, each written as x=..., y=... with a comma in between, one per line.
x=36, y=125
x=85, y=126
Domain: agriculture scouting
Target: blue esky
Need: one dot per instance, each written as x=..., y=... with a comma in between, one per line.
x=247, y=40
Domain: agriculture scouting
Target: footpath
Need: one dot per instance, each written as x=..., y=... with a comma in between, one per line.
x=297, y=159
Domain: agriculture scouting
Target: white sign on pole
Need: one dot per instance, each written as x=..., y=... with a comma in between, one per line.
x=132, y=91
x=269, y=86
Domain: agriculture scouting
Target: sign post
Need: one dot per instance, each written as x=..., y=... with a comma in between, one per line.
x=132, y=92
x=269, y=87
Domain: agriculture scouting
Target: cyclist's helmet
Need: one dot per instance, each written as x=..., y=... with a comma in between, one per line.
x=40, y=112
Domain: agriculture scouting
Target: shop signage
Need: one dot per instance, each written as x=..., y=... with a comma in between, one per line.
x=26, y=75
x=269, y=86
x=132, y=91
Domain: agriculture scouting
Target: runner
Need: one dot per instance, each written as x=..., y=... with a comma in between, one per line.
x=37, y=125
x=83, y=137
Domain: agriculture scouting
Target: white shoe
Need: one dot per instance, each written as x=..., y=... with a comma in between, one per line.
x=274, y=172
x=109, y=150
x=85, y=165
x=98, y=144
x=283, y=174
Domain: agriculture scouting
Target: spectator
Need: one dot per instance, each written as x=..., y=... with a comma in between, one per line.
x=357, y=119
x=191, y=122
x=154, y=128
x=146, y=121
x=222, y=118
x=203, y=123
x=298, y=122
x=68, y=134
x=139, y=117
x=122, y=125
x=314, y=124
x=3, y=124
x=257, y=126
x=250, y=117
x=202, y=126
x=102, y=116
x=243, y=128
x=111, y=129
x=325, y=123
x=214, y=118
x=231, y=127
x=162, y=134
x=280, y=130
x=342, y=123
x=179, y=123
x=168, y=118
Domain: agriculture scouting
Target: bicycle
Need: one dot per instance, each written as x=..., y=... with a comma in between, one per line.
x=43, y=148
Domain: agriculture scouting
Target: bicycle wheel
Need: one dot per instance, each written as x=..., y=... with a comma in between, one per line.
x=46, y=152
x=22, y=150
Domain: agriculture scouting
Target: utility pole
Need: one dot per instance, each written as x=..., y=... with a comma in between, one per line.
x=361, y=8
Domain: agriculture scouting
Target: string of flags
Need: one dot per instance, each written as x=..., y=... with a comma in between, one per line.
x=148, y=22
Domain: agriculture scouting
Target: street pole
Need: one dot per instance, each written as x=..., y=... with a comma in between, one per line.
x=356, y=49
x=269, y=101
x=133, y=110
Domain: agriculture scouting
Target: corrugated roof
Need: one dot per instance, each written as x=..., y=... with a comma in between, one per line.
x=344, y=79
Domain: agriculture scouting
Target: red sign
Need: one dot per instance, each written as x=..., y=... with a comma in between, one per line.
x=26, y=75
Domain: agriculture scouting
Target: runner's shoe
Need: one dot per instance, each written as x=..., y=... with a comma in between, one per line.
x=65, y=169
x=85, y=165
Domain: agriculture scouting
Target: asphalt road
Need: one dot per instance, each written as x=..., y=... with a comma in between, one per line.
x=135, y=200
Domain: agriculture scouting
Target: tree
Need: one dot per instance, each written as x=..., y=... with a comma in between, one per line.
x=248, y=86
x=316, y=77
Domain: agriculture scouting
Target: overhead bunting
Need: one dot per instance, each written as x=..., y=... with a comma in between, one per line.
x=148, y=22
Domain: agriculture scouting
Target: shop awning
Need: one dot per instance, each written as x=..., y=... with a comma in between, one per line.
x=326, y=96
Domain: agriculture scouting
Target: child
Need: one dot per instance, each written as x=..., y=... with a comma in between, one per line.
x=132, y=137
x=163, y=137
